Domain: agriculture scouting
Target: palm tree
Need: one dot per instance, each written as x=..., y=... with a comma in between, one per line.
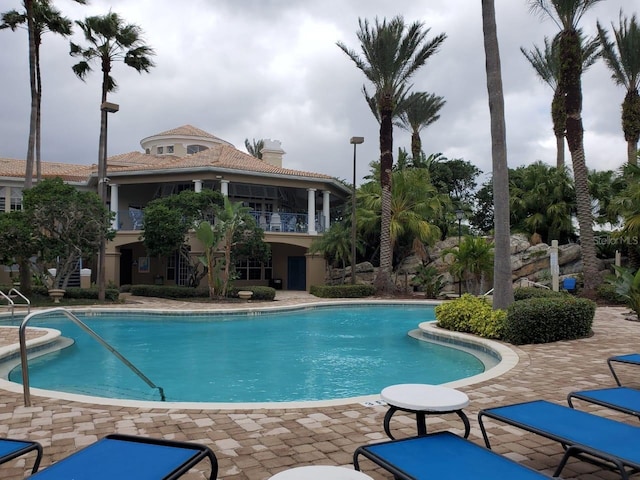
x=419, y=111
x=46, y=18
x=472, y=261
x=503, y=288
x=254, y=148
x=416, y=205
x=547, y=65
x=110, y=40
x=392, y=52
x=624, y=63
x=567, y=14
x=542, y=202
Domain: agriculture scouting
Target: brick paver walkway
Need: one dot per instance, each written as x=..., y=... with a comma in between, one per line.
x=255, y=444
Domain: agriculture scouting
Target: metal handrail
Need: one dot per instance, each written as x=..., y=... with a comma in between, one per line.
x=15, y=291
x=81, y=324
x=10, y=304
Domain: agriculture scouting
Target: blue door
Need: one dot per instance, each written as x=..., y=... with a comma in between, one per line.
x=297, y=273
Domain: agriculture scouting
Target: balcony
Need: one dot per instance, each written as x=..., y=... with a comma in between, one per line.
x=283, y=222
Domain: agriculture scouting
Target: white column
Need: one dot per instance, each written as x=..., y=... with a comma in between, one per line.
x=311, y=211
x=197, y=186
x=325, y=209
x=224, y=187
x=114, y=206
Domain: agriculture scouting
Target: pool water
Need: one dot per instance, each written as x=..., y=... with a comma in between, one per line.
x=308, y=354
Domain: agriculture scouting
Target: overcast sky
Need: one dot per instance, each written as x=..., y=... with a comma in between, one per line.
x=271, y=69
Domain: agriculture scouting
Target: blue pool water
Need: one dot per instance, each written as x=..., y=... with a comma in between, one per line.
x=308, y=354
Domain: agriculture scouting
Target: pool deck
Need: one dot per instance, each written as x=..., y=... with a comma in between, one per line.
x=257, y=443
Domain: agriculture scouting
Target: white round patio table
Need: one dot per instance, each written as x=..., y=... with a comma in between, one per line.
x=320, y=472
x=423, y=399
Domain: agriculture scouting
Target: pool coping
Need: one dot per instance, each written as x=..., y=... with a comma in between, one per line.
x=508, y=359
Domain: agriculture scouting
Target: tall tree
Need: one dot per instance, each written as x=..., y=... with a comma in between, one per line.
x=110, y=39
x=254, y=147
x=623, y=59
x=546, y=63
x=46, y=18
x=503, y=288
x=567, y=14
x=392, y=53
x=420, y=110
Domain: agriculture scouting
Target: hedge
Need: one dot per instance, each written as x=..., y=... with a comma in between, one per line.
x=543, y=320
x=170, y=291
x=342, y=291
x=524, y=293
x=471, y=314
x=259, y=293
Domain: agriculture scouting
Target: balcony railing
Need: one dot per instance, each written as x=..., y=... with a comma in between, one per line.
x=284, y=222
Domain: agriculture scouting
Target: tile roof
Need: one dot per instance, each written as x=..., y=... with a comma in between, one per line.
x=186, y=131
x=10, y=167
x=218, y=156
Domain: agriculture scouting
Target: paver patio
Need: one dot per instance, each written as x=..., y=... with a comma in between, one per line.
x=255, y=444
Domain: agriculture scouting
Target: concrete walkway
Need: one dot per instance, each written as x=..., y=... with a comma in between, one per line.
x=255, y=444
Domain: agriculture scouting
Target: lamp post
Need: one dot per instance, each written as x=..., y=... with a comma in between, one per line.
x=354, y=141
x=459, y=217
x=105, y=109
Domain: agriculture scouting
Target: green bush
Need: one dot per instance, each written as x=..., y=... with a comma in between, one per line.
x=259, y=293
x=342, y=291
x=471, y=314
x=607, y=292
x=543, y=320
x=92, y=293
x=524, y=293
x=168, y=291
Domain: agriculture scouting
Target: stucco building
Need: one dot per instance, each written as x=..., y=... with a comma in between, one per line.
x=291, y=206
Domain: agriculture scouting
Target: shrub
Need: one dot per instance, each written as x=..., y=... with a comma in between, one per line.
x=607, y=292
x=471, y=314
x=524, y=293
x=259, y=293
x=342, y=291
x=542, y=320
x=92, y=293
x=168, y=291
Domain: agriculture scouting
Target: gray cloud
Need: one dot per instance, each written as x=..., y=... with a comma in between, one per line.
x=270, y=68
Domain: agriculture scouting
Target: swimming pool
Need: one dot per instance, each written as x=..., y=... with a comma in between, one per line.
x=299, y=355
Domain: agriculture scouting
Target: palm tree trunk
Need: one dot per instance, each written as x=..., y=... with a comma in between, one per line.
x=632, y=152
x=383, y=282
x=570, y=81
x=559, y=152
x=503, y=288
x=38, y=114
x=416, y=147
x=28, y=177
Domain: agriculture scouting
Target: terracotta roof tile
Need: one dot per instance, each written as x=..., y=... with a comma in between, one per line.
x=69, y=172
x=187, y=131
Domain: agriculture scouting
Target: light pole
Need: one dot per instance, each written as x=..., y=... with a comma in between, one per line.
x=459, y=216
x=354, y=141
x=105, y=109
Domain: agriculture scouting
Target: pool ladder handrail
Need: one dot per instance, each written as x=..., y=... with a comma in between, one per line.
x=83, y=326
x=11, y=304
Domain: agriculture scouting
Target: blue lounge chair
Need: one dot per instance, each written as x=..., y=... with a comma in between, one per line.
x=126, y=457
x=10, y=449
x=629, y=359
x=583, y=435
x=444, y=456
x=622, y=399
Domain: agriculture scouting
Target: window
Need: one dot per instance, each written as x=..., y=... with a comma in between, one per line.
x=169, y=148
x=3, y=198
x=253, y=270
x=16, y=199
x=160, y=150
x=191, y=149
x=147, y=151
